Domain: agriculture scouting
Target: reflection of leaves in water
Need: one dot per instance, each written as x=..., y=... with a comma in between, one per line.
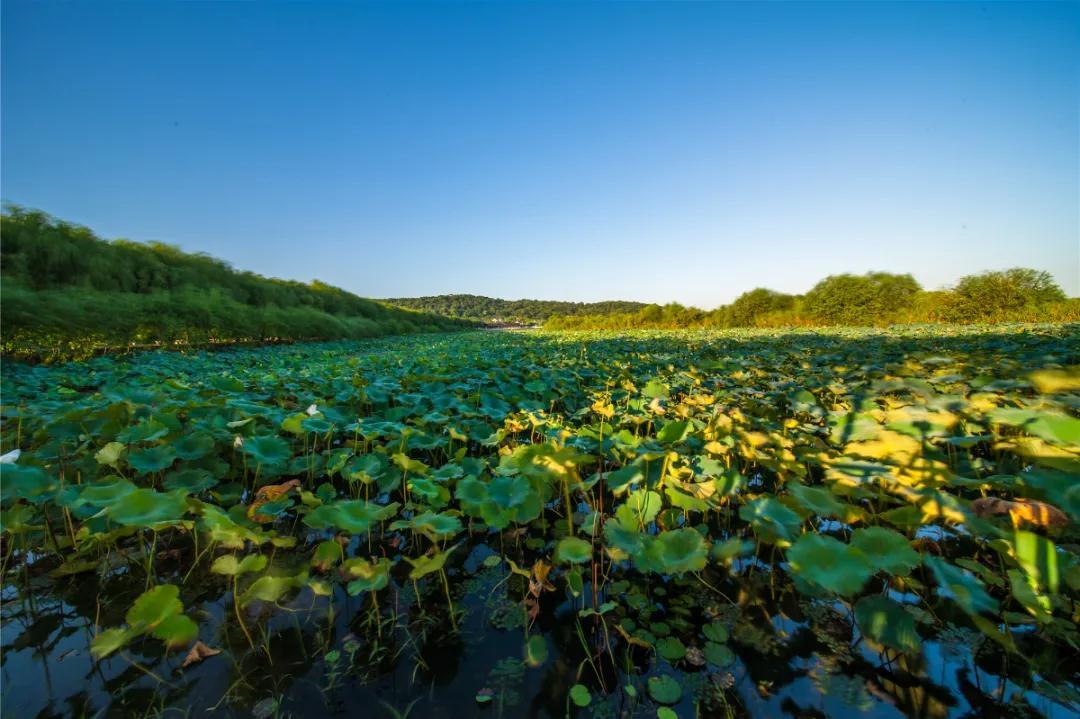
x=848, y=689
x=958, y=642
x=505, y=678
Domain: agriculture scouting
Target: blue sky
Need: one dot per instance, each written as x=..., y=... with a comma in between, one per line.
x=660, y=152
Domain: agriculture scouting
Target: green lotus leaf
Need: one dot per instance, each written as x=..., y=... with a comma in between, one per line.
x=674, y=552
x=270, y=589
x=960, y=586
x=830, y=564
x=316, y=425
x=1025, y=591
x=154, y=606
x=369, y=576
x=191, y=481
x=573, y=550
x=683, y=500
x=352, y=515
x=671, y=649
x=580, y=695
x=1054, y=427
x=226, y=532
x=887, y=623
x=471, y=493
x=536, y=650
x=101, y=494
x=429, y=491
x=718, y=654
x=507, y=492
x=673, y=432
x=143, y=432
x=622, y=479
x=715, y=632
x=193, y=446
x=408, y=464
x=620, y=539
x=152, y=459
x=727, y=551
x=267, y=449
x=366, y=468
x=110, y=454
x=772, y=521
x=425, y=565
x=817, y=500
x=664, y=689
x=436, y=526
x=176, y=631
x=229, y=565
x=26, y=482
x=145, y=507
x=18, y=519
x=1038, y=557
x=886, y=549
x=327, y=553
x=110, y=640
x=639, y=509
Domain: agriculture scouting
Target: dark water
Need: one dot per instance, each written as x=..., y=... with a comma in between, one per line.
x=421, y=667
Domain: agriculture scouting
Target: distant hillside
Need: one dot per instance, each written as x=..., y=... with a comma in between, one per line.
x=492, y=310
x=65, y=292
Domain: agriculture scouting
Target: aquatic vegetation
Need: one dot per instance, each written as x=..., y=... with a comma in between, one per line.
x=650, y=524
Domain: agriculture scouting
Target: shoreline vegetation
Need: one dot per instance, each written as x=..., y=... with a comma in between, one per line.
x=67, y=294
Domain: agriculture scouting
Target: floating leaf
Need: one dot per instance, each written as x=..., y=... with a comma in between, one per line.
x=664, y=689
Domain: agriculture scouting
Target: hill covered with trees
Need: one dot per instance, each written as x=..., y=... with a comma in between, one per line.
x=66, y=292
x=873, y=299
x=496, y=311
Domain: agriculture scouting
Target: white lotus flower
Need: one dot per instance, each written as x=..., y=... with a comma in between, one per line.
x=11, y=457
x=238, y=441
x=312, y=410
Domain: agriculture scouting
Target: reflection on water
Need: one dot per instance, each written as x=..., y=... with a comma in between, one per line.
x=320, y=656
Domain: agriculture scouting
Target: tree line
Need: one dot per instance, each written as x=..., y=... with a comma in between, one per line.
x=493, y=310
x=67, y=291
x=872, y=299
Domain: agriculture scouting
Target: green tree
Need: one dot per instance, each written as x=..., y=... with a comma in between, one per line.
x=995, y=295
x=748, y=306
x=873, y=298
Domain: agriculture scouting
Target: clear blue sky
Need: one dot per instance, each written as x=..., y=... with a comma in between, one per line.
x=660, y=152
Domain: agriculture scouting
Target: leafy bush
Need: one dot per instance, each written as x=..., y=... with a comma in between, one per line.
x=870, y=299
x=991, y=295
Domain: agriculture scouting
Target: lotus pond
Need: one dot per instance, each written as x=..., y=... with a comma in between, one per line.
x=804, y=524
